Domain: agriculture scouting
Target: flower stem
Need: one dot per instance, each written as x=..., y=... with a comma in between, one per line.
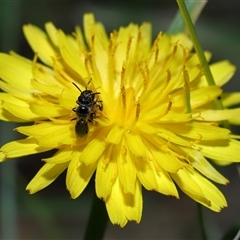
x=196, y=43
x=201, y=221
x=187, y=91
x=194, y=8
x=97, y=222
x=200, y=53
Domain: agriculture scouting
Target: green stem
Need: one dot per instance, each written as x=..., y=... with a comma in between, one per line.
x=187, y=91
x=97, y=221
x=196, y=43
x=194, y=8
x=200, y=53
x=201, y=221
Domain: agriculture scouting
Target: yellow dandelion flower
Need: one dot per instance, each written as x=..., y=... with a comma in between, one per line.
x=130, y=124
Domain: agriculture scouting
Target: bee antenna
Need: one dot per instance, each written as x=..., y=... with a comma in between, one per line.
x=88, y=82
x=76, y=86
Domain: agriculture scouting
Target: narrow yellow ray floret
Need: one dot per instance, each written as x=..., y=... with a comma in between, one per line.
x=116, y=106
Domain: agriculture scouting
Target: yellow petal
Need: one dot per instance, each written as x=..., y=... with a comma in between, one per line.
x=72, y=41
x=71, y=56
x=146, y=173
x=22, y=112
x=133, y=204
x=204, y=95
x=171, y=137
x=204, y=167
x=88, y=24
x=80, y=39
x=21, y=148
x=204, y=192
x=100, y=55
x=45, y=176
x=62, y=156
x=218, y=115
x=52, y=32
x=173, y=117
x=17, y=73
x=193, y=59
x=78, y=176
x=135, y=144
x=114, y=205
x=92, y=151
x=46, y=75
x=18, y=106
x=145, y=32
x=184, y=180
x=43, y=128
x=151, y=114
x=197, y=130
x=146, y=128
x=2, y=156
x=221, y=163
x=8, y=117
x=183, y=39
x=123, y=52
x=166, y=160
x=42, y=46
x=126, y=171
x=68, y=98
x=230, y=99
x=106, y=173
x=222, y=72
x=115, y=135
x=37, y=129
x=211, y=192
x=58, y=136
x=234, y=121
x=222, y=150
x=123, y=207
x=165, y=184
x=52, y=89
x=48, y=110
x=5, y=115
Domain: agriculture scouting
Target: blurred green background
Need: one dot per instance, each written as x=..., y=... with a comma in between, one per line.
x=51, y=214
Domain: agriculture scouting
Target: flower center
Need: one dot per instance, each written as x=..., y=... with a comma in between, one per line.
x=126, y=111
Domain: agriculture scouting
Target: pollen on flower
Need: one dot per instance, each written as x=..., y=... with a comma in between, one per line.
x=169, y=106
x=129, y=42
x=123, y=95
x=168, y=76
x=155, y=47
x=153, y=131
x=137, y=109
x=144, y=74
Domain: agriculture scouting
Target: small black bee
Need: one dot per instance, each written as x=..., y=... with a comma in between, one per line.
x=86, y=110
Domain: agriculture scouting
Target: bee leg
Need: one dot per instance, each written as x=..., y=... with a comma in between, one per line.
x=99, y=105
x=92, y=117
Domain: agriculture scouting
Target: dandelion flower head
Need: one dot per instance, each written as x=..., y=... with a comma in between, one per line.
x=153, y=128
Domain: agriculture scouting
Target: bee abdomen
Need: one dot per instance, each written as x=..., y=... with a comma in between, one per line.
x=81, y=128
